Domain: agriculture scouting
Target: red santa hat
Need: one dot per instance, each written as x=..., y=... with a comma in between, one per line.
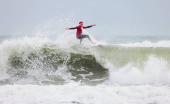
x=80, y=22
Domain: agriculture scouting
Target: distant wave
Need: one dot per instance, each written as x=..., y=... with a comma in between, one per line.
x=163, y=43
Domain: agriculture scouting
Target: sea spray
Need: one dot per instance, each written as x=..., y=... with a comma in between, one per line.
x=39, y=60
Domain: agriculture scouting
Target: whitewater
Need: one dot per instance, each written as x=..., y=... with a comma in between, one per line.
x=40, y=70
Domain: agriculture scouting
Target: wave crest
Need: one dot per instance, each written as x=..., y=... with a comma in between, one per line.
x=42, y=61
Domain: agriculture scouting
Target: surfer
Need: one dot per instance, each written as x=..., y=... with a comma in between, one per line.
x=79, y=33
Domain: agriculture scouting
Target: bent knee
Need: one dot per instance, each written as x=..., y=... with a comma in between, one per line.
x=87, y=36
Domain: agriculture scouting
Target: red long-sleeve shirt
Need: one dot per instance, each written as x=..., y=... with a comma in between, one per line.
x=79, y=30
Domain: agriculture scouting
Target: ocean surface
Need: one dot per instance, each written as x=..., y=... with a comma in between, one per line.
x=57, y=70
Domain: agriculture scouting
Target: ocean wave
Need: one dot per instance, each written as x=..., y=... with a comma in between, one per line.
x=163, y=43
x=43, y=61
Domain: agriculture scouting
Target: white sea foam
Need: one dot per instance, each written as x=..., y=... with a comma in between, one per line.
x=24, y=46
x=155, y=71
x=76, y=94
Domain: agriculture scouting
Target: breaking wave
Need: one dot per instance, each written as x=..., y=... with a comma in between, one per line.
x=40, y=60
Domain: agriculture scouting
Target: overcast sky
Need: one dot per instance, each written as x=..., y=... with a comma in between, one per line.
x=112, y=17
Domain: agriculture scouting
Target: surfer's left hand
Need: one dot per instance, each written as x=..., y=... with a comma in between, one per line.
x=94, y=25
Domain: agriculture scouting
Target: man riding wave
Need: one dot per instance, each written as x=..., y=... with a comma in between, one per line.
x=79, y=33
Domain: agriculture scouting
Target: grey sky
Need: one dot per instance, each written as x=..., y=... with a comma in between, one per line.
x=113, y=17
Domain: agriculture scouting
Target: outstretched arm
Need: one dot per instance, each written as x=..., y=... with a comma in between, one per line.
x=89, y=26
x=71, y=28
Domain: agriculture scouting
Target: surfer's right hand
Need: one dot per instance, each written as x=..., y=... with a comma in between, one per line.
x=67, y=28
